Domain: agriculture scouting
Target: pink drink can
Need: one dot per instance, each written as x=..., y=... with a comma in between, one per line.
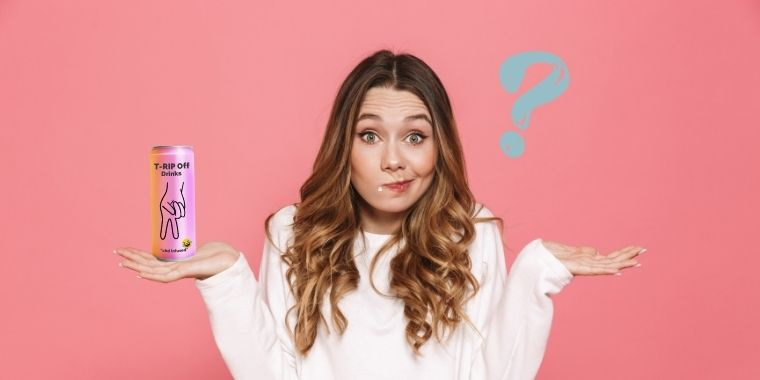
x=172, y=202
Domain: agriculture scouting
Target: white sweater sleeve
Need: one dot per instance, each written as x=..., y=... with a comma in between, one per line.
x=516, y=310
x=246, y=317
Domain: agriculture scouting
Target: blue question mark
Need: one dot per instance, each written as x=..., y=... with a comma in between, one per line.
x=511, y=74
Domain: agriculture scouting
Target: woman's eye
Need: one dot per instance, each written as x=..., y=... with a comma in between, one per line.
x=371, y=137
x=361, y=135
x=417, y=140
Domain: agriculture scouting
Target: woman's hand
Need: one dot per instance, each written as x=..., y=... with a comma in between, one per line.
x=210, y=259
x=588, y=261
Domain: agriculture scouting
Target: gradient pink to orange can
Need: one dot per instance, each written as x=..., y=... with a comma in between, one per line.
x=172, y=202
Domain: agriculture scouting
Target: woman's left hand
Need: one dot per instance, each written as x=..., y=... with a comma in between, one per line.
x=587, y=260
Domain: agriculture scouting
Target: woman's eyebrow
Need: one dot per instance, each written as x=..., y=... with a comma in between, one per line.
x=408, y=118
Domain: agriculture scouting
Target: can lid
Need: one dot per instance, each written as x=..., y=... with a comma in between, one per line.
x=172, y=146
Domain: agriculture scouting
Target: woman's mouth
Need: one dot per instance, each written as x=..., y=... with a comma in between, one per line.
x=398, y=186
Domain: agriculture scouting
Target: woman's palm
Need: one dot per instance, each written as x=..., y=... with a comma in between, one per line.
x=588, y=261
x=209, y=259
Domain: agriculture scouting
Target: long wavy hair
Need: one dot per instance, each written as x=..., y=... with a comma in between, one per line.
x=431, y=270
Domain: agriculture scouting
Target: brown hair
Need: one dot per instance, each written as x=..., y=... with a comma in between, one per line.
x=431, y=271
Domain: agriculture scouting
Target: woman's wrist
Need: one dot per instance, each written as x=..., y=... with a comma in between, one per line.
x=223, y=260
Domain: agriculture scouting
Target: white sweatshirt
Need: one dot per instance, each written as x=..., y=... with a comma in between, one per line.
x=513, y=314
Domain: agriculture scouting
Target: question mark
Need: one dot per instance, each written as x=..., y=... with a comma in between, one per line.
x=511, y=74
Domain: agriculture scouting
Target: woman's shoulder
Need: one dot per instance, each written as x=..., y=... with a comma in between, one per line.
x=283, y=217
x=488, y=239
x=481, y=211
x=280, y=225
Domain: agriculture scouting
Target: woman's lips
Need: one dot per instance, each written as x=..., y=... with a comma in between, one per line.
x=398, y=186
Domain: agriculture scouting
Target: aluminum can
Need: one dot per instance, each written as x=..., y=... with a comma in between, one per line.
x=172, y=202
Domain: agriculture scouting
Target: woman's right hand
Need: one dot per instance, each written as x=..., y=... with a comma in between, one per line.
x=210, y=258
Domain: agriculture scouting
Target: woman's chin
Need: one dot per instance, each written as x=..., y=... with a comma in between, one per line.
x=394, y=206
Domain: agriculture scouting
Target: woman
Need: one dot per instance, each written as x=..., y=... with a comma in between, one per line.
x=387, y=268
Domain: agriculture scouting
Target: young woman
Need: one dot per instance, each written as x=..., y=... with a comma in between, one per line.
x=387, y=268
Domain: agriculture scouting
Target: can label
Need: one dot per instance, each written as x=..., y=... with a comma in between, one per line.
x=172, y=202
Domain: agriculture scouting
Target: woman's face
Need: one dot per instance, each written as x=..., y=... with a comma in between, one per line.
x=393, y=141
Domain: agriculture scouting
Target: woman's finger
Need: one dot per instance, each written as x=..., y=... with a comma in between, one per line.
x=167, y=276
x=129, y=254
x=592, y=268
x=620, y=259
x=139, y=256
x=147, y=256
x=606, y=266
x=143, y=261
x=138, y=267
x=158, y=273
x=626, y=252
x=619, y=265
x=619, y=252
x=628, y=263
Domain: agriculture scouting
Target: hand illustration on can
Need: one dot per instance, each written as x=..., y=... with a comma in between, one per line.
x=171, y=212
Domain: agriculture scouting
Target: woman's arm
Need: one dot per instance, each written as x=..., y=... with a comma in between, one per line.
x=512, y=313
x=521, y=320
x=240, y=321
x=245, y=317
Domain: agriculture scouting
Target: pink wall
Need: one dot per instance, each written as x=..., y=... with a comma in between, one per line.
x=653, y=143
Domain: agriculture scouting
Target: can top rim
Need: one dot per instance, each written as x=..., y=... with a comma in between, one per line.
x=172, y=146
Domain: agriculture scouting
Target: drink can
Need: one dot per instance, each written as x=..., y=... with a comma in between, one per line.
x=172, y=202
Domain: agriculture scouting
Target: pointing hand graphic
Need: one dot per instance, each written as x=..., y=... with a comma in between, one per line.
x=171, y=212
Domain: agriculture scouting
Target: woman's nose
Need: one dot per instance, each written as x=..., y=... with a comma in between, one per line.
x=392, y=157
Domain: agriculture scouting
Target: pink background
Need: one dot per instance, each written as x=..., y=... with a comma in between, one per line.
x=654, y=143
